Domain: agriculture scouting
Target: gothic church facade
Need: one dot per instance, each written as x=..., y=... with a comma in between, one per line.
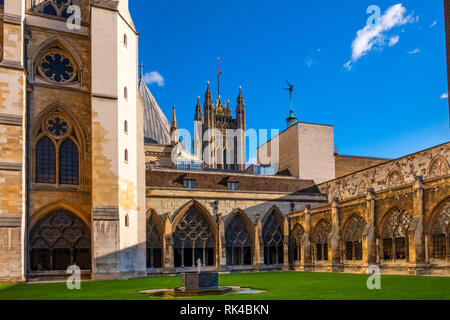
x=85, y=176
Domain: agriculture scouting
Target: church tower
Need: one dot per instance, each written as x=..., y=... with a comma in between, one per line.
x=71, y=140
x=13, y=140
x=118, y=186
x=218, y=137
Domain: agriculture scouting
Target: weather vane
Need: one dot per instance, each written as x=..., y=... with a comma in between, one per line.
x=291, y=90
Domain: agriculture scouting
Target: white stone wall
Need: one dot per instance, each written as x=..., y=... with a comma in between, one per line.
x=316, y=152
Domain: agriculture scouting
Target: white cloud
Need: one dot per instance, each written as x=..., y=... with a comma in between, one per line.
x=444, y=96
x=370, y=37
x=433, y=24
x=417, y=50
x=154, y=77
x=393, y=41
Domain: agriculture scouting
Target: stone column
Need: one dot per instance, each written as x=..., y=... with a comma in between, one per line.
x=335, y=255
x=169, y=263
x=105, y=243
x=306, y=247
x=222, y=248
x=369, y=234
x=258, y=245
x=416, y=241
x=285, y=244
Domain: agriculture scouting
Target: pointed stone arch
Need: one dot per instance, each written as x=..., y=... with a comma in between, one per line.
x=239, y=238
x=438, y=230
x=273, y=237
x=59, y=125
x=246, y=220
x=393, y=234
x=176, y=217
x=59, y=239
x=55, y=42
x=195, y=236
x=277, y=212
x=59, y=108
x=154, y=240
x=61, y=204
x=363, y=187
x=296, y=242
x=322, y=232
x=394, y=179
x=352, y=234
x=438, y=167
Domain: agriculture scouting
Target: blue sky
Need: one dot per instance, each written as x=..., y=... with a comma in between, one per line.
x=387, y=102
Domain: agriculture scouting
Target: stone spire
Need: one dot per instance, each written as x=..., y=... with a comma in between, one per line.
x=208, y=94
x=198, y=111
x=240, y=102
x=174, y=135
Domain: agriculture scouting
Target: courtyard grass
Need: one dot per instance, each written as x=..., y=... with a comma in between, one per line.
x=279, y=286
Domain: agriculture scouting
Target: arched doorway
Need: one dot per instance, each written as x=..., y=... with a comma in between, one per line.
x=238, y=242
x=193, y=240
x=59, y=240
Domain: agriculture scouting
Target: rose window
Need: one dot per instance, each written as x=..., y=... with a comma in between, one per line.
x=57, y=67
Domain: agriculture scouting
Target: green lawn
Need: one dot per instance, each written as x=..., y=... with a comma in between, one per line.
x=279, y=286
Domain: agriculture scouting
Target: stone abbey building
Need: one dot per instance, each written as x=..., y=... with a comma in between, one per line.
x=87, y=176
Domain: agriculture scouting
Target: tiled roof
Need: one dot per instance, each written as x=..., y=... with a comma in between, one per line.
x=156, y=125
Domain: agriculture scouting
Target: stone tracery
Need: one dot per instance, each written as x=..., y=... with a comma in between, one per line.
x=193, y=240
x=59, y=240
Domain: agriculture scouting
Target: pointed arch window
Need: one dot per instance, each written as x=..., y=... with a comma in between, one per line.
x=45, y=161
x=296, y=243
x=154, y=245
x=321, y=240
x=238, y=242
x=57, y=152
x=440, y=235
x=353, y=238
x=395, y=236
x=273, y=240
x=60, y=240
x=193, y=240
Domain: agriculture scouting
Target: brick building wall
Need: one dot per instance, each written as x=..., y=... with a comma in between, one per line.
x=345, y=164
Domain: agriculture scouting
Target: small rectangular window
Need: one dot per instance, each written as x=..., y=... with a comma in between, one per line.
x=234, y=186
x=183, y=165
x=189, y=184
